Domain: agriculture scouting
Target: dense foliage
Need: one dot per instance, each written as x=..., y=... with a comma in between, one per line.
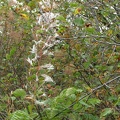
x=59, y=60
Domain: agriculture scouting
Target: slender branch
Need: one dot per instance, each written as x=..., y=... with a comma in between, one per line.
x=89, y=93
x=91, y=36
x=105, y=83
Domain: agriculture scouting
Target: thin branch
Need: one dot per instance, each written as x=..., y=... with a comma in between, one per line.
x=91, y=36
x=105, y=84
x=89, y=93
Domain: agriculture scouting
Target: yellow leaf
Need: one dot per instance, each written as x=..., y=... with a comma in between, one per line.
x=109, y=32
x=24, y=16
x=77, y=11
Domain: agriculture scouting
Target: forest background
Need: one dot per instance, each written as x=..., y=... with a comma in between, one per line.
x=59, y=60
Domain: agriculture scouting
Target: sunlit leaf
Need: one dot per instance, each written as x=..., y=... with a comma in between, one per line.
x=106, y=112
x=19, y=93
x=20, y=115
x=24, y=16
x=70, y=91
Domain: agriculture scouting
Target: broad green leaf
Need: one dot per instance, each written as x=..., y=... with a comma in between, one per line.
x=106, y=112
x=20, y=115
x=19, y=93
x=79, y=21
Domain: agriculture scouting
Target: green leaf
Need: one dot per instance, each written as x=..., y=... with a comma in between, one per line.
x=94, y=101
x=30, y=108
x=70, y=91
x=90, y=30
x=19, y=93
x=74, y=4
x=77, y=106
x=87, y=116
x=79, y=90
x=39, y=31
x=61, y=29
x=72, y=97
x=61, y=18
x=32, y=4
x=79, y=21
x=106, y=112
x=20, y=115
x=12, y=51
x=8, y=56
x=86, y=64
x=84, y=103
x=118, y=101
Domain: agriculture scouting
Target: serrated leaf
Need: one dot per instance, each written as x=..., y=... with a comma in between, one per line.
x=19, y=93
x=79, y=21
